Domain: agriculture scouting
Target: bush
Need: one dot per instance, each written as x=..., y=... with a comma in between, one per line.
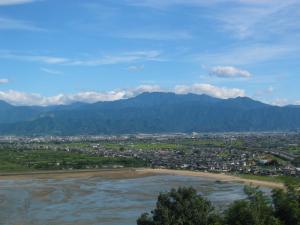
x=185, y=207
x=180, y=207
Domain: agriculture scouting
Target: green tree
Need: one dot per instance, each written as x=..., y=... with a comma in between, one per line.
x=239, y=213
x=287, y=205
x=255, y=210
x=296, y=161
x=181, y=207
x=185, y=207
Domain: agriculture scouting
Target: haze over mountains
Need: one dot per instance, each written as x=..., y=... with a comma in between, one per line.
x=149, y=113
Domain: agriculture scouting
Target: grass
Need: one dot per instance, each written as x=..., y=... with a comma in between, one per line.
x=294, y=149
x=277, y=179
x=77, y=145
x=142, y=146
x=10, y=167
x=184, y=144
x=26, y=160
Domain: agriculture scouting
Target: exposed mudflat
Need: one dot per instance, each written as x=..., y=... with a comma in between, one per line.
x=109, y=199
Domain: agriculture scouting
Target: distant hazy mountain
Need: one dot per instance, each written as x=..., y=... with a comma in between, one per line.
x=150, y=113
x=293, y=106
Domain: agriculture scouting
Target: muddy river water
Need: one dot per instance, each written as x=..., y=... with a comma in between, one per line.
x=98, y=200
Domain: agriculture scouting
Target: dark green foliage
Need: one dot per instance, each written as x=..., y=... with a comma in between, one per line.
x=296, y=162
x=239, y=213
x=255, y=210
x=18, y=160
x=150, y=113
x=185, y=207
x=180, y=207
x=287, y=205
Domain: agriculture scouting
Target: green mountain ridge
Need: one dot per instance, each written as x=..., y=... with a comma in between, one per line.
x=151, y=113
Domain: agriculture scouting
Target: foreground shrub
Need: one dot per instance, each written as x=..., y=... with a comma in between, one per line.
x=185, y=207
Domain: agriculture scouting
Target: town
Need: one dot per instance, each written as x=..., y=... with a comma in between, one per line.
x=264, y=154
x=213, y=154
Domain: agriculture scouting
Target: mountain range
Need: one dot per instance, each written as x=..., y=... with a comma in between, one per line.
x=149, y=113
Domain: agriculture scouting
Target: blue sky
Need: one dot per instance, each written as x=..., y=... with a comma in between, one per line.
x=58, y=52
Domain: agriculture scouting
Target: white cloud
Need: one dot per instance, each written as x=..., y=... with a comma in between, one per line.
x=135, y=68
x=264, y=92
x=247, y=55
x=201, y=3
x=285, y=102
x=219, y=92
x=229, y=72
x=242, y=18
x=46, y=59
x=160, y=4
x=4, y=81
x=156, y=35
x=14, y=24
x=126, y=57
x=146, y=88
x=14, y=2
x=33, y=58
x=91, y=96
x=256, y=19
x=22, y=98
x=50, y=71
x=280, y=102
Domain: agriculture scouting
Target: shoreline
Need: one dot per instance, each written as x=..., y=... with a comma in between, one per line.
x=64, y=174
x=133, y=173
x=218, y=177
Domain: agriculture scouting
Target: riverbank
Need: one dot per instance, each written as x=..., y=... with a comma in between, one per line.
x=217, y=177
x=134, y=173
x=63, y=174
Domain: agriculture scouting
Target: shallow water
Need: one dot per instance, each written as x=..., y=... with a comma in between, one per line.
x=98, y=200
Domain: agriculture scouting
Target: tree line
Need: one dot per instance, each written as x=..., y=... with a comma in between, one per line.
x=184, y=206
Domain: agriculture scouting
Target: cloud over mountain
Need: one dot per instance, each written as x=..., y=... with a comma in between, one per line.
x=22, y=98
x=219, y=92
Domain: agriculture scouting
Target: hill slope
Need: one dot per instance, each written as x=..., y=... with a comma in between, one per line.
x=153, y=113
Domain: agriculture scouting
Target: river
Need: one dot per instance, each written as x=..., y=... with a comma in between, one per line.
x=98, y=200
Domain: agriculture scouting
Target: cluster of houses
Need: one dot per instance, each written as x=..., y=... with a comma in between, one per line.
x=260, y=154
x=208, y=159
